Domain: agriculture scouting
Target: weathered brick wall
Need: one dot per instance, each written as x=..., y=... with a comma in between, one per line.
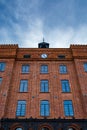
x=7, y=55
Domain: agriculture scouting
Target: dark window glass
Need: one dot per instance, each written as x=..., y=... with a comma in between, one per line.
x=44, y=108
x=63, y=69
x=21, y=108
x=44, y=128
x=61, y=56
x=25, y=68
x=0, y=80
x=85, y=67
x=65, y=86
x=68, y=108
x=27, y=56
x=23, y=85
x=44, y=69
x=44, y=86
x=2, y=66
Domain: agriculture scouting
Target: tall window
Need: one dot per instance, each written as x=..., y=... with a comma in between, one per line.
x=0, y=80
x=44, y=86
x=44, y=108
x=24, y=85
x=65, y=86
x=21, y=108
x=2, y=66
x=63, y=69
x=44, y=69
x=25, y=68
x=68, y=108
x=85, y=67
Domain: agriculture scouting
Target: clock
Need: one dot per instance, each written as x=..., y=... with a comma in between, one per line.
x=44, y=56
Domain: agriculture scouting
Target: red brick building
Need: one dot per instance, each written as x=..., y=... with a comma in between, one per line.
x=43, y=88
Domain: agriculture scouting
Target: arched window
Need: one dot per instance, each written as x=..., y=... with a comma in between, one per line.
x=18, y=129
x=44, y=128
x=71, y=129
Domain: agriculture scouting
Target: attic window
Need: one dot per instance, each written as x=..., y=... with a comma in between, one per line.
x=61, y=56
x=27, y=56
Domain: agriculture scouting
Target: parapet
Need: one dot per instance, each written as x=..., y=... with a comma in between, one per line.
x=8, y=46
x=73, y=46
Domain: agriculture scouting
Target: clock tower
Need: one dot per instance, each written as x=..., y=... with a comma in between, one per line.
x=43, y=44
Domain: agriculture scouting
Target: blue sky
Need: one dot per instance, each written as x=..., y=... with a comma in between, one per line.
x=60, y=22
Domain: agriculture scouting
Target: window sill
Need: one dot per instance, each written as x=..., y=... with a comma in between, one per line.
x=64, y=73
x=44, y=92
x=69, y=116
x=23, y=92
x=25, y=72
x=67, y=92
x=2, y=71
x=44, y=116
x=44, y=73
x=20, y=116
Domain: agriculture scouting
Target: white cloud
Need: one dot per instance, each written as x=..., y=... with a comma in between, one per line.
x=33, y=29
x=60, y=38
x=33, y=35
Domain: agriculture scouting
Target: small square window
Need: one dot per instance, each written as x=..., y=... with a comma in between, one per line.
x=44, y=69
x=27, y=56
x=61, y=56
x=63, y=69
x=25, y=68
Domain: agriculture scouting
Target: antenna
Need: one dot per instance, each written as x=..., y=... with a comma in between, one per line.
x=43, y=39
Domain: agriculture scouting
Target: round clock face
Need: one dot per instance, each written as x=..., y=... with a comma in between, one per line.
x=44, y=56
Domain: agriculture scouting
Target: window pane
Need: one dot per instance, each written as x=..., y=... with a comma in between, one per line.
x=0, y=80
x=65, y=86
x=21, y=108
x=44, y=108
x=44, y=86
x=44, y=69
x=25, y=68
x=23, y=85
x=47, y=110
x=63, y=69
x=85, y=67
x=68, y=108
x=2, y=66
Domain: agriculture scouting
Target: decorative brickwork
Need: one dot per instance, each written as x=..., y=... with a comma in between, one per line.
x=73, y=58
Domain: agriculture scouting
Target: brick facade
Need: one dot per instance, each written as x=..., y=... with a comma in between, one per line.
x=74, y=59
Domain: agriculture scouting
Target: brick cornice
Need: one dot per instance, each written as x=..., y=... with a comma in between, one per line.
x=7, y=46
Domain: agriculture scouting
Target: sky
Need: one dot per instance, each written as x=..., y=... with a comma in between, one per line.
x=59, y=22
